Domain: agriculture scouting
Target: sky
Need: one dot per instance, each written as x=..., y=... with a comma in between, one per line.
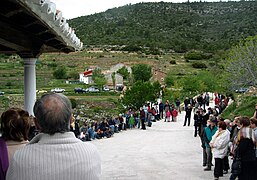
x=75, y=8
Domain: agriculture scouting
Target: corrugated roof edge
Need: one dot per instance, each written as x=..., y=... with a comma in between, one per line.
x=46, y=11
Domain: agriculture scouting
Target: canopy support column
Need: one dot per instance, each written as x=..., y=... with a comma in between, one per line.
x=29, y=84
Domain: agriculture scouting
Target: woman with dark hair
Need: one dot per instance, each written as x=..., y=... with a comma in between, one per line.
x=245, y=150
x=15, y=124
x=219, y=145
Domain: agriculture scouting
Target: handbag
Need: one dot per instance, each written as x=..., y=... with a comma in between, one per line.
x=236, y=164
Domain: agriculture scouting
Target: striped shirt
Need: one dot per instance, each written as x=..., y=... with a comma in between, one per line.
x=55, y=157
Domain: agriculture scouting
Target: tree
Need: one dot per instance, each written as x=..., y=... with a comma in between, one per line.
x=99, y=78
x=124, y=72
x=141, y=72
x=156, y=89
x=241, y=63
x=60, y=73
x=176, y=91
x=193, y=84
x=169, y=79
x=113, y=79
x=140, y=93
x=204, y=81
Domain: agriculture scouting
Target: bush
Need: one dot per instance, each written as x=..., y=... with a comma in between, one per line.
x=173, y=62
x=73, y=103
x=53, y=65
x=60, y=73
x=8, y=84
x=199, y=65
x=212, y=64
x=197, y=55
x=131, y=48
x=181, y=74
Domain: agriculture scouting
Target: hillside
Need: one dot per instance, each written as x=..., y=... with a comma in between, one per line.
x=207, y=26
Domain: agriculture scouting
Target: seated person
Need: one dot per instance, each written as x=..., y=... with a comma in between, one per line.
x=111, y=125
x=117, y=124
x=105, y=129
x=91, y=132
x=121, y=125
x=83, y=132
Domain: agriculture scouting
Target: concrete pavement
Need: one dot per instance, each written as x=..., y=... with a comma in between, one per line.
x=165, y=151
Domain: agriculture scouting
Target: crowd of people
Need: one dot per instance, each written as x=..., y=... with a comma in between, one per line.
x=223, y=138
x=51, y=138
x=108, y=126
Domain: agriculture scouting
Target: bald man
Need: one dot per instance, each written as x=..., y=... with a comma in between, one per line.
x=55, y=153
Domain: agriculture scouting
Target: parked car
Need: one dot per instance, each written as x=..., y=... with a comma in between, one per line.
x=105, y=88
x=57, y=90
x=41, y=91
x=93, y=89
x=242, y=90
x=119, y=87
x=80, y=90
x=1, y=93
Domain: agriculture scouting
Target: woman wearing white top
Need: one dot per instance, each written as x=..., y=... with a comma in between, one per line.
x=219, y=145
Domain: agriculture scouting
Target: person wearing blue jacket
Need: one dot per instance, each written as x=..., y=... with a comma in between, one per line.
x=209, y=131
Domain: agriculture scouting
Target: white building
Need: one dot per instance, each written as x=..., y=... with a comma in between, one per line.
x=86, y=77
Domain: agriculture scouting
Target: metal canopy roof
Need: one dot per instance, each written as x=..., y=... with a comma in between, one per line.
x=31, y=27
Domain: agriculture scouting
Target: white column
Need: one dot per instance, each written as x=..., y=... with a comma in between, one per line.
x=29, y=84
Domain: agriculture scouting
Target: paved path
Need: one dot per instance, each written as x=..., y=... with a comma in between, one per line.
x=166, y=151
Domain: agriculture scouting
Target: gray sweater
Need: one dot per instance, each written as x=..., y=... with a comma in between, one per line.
x=55, y=157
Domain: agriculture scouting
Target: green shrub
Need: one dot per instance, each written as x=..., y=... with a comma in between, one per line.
x=53, y=65
x=73, y=103
x=60, y=73
x=131, y=48
x=8, y=84
x=194, y=55
x=173, y=62
x=197, y=55
x=199, y=65
x=212, y=64
x=181, y=74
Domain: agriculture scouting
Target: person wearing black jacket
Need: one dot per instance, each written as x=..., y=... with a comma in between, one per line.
x=105, y=128
x=142, y=118
x=188, y=114
x=197, y=122
x=245, y=150
x=161, y=108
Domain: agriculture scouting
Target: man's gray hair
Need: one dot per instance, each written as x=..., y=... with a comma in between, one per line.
x=53, y=113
